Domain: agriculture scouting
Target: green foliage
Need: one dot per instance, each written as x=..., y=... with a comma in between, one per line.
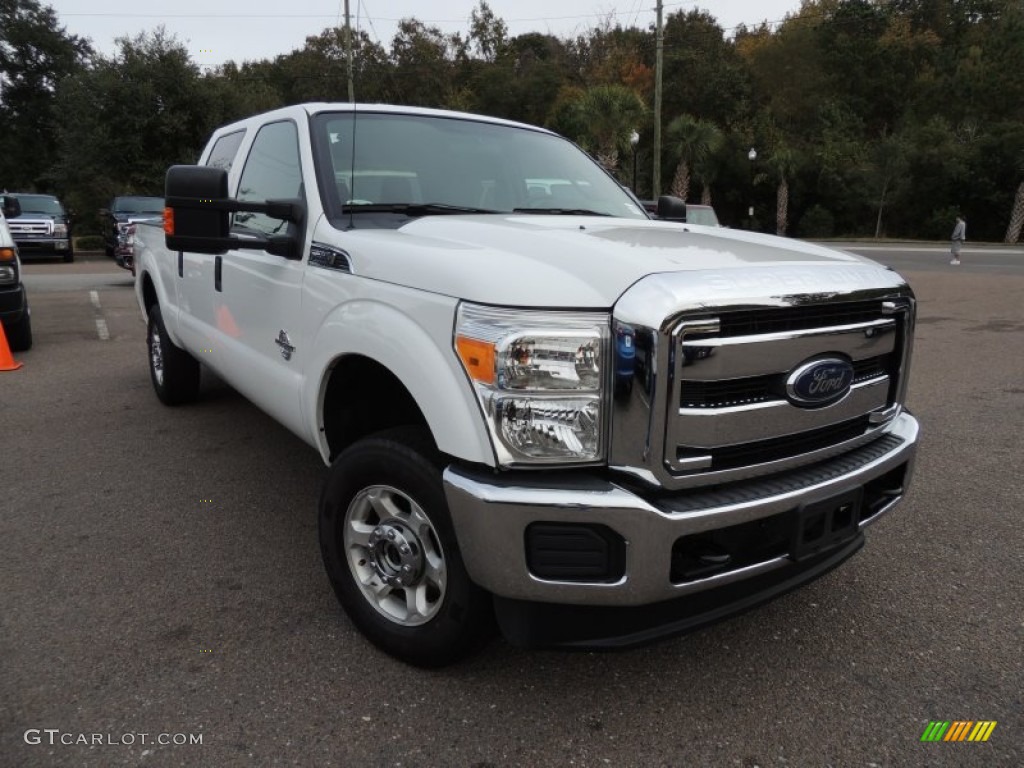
x=89, y=243
x=869, y=116
x=36, y=54
x=134, y=115
x=817, y=222
x=607, y=115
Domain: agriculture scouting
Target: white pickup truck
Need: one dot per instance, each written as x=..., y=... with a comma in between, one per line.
x=537, y=403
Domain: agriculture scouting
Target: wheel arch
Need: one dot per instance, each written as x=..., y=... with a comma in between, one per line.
x=381, y=369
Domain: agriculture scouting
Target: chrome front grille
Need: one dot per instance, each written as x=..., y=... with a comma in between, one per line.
x=31, y=228
x=715, y=402
x=743, y=418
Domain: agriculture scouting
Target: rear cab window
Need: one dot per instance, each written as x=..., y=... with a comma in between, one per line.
x=224, y=150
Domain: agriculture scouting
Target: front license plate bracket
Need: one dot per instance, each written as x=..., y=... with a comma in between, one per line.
x=826, y=524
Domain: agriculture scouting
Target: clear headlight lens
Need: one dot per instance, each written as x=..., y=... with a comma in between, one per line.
x=8, y=274
x=539, y=377
x=60, y=230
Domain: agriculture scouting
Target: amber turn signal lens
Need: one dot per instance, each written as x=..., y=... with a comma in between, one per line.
x=168, y=221
x=7, y=254
x=477, y=357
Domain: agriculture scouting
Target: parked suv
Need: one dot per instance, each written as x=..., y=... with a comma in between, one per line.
x=14, y=312
x=126, y=210
x=43, y=228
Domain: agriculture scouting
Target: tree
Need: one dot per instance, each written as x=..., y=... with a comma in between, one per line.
x=487, y=32
x=425, y=62
x=135, y=114
x=690, y=142
x=609, y=113
x=781, y=162
x=888, y=165
x=1017, y=213
x=36, y=54
x=703, y=76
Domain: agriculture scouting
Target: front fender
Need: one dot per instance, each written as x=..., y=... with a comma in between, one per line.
x=419, y=353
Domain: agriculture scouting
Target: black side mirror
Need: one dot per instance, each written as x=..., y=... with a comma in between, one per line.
x=11, y=207
x=671, y=208
x=197, y=216
x=191, y=221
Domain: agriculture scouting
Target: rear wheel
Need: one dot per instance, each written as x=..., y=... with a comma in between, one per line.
x=19, y=334
x=174, y=372
x=390, y=551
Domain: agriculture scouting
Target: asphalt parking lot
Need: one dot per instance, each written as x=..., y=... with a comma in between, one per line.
x=160, y=575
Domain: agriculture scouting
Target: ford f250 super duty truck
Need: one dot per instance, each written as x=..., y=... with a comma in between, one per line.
x=537, y=403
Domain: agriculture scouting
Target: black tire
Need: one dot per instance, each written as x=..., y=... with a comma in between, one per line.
x=173, y=371
x=19, y=335
x=69, y=257
x=457, y=619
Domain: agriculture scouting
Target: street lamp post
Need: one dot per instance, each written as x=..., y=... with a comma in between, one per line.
x=751, y=156
x=634, y=139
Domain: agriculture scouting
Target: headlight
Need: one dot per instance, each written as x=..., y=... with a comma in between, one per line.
x=540, y=379
x=60, y=230
x=8, y=265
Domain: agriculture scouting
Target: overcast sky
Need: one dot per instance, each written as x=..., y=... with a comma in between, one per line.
x=216, y=31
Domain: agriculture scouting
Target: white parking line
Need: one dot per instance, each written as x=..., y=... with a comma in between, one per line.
x=101, y=324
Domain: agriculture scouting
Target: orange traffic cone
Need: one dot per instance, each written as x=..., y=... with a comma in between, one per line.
x=6, y=359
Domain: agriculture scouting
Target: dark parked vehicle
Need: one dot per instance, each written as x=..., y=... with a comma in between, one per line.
x=14, y=312
x=43, y=228
x=690, y=213
x=126, y=210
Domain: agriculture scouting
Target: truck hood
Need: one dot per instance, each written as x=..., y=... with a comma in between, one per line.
x=560, y=261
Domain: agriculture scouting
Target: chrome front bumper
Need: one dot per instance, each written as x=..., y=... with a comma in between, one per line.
x=491, y=513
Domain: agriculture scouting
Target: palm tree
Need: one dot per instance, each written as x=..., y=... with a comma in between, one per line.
x=690, y=141
x=781, y=162
x=706, y=171
x=1017, y=214
x=610, y=114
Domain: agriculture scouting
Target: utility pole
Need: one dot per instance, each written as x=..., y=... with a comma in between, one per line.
x=348, y=53
x=656, y=182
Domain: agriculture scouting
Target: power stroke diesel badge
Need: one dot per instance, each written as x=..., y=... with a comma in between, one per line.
x=819, y=382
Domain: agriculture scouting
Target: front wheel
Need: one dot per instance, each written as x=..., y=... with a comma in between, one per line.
x=174, y=372
x=390, y=551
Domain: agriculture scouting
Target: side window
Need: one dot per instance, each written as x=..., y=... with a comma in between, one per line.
x=224, y=151
x=271, y=171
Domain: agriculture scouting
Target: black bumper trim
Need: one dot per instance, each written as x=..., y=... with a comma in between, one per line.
x=12, y=303
x=585, y=627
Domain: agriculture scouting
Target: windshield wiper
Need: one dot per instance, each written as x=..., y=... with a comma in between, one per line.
x=412, y=209
x=561, y=211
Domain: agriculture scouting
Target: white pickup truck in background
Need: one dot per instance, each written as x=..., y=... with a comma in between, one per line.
x=537, y=403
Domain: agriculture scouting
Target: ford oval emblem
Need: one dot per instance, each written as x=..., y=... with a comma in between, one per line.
x=819, y=382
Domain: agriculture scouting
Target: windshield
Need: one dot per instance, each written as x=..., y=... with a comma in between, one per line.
x=39, y=204
x=459, y=164
x=138, y=205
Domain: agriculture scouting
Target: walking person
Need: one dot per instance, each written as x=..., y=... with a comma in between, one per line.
x=959, y=235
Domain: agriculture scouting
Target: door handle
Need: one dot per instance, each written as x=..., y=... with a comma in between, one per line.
x=216, y=273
